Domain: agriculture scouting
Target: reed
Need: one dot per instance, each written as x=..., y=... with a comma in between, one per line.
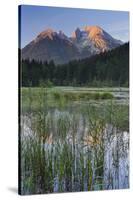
x=63, y=148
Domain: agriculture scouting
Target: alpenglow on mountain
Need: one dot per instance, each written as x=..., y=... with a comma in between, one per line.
x=50, y=45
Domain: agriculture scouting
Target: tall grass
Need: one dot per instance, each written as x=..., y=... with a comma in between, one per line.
x=63, y=149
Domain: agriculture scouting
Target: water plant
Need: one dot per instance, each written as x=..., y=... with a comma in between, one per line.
x=66, y=146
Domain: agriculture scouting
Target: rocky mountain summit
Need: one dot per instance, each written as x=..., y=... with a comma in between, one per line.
x=56, y=46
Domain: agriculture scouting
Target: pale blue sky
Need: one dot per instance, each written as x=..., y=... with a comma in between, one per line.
x=35, y=19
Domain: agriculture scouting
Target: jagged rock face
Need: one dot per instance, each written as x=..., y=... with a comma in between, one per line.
x=100, y=38
x=94, y=39
x=50, y=45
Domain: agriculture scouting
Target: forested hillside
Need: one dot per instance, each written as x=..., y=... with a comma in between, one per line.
x=106, y=69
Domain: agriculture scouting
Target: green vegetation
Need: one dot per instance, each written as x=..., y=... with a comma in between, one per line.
x=106, y=69
x=63, y=147
x=31, y=97
x=84, y=96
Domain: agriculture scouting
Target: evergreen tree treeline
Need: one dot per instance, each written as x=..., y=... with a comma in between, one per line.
x=106, y=69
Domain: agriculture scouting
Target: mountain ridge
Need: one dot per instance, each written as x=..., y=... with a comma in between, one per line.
x=56, y=46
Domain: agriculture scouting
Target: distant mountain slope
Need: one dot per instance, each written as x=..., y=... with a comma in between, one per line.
x=50, y=45
x=109, y=68
x=95, y=38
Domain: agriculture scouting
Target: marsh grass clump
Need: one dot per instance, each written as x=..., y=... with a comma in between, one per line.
x=71, y=96
x=34, y=98
x=107, y=95
x=57, y=95
x=120, y=117
x=75, y=96
x=100, y=96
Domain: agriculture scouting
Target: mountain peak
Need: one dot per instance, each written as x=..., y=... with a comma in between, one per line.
x=93, y=28
x=85, y=42
x=62, y=35
x=76, y=33
x=98, y=36
x=94, y=31
x=47, y=33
